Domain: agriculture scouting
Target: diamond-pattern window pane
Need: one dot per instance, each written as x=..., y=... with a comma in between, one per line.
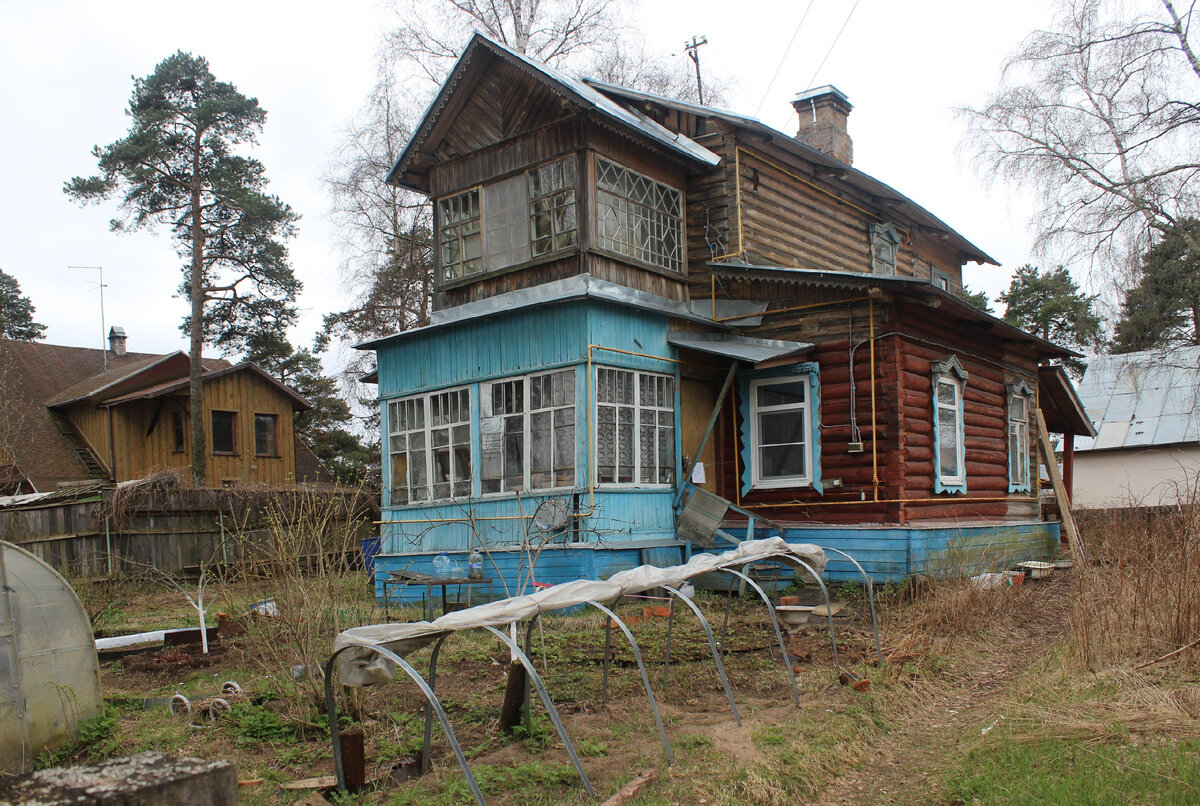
x=638, y=217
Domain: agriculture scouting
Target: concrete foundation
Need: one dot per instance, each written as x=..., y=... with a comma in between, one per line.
x=147, y=779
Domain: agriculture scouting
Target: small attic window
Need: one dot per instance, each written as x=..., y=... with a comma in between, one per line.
x=884, y=243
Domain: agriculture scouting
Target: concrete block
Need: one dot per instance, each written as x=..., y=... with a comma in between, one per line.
x=147, y=779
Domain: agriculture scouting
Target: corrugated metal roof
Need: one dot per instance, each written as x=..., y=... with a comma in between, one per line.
x=1142, y=399
x=743, y=348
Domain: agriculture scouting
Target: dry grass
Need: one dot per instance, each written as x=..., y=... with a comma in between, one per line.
x=1140, y=597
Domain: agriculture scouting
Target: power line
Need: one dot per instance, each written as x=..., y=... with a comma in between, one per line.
x=812, y=80
x=783, y=58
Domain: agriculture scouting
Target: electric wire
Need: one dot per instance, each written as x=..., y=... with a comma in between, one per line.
x=783, y=58
x=833, y=44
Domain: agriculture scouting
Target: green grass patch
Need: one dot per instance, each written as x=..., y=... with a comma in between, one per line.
x=1007, y=770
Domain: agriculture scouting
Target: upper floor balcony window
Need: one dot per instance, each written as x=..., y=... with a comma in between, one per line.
x=638, y=217
x=509, y=222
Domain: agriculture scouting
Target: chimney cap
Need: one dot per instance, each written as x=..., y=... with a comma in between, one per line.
x=117, y=331
x=821, y=93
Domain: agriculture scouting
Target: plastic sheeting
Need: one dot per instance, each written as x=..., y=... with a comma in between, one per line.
x=49, y=674
x=358, y=666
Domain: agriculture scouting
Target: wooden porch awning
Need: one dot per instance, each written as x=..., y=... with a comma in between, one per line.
x=741, y=348
x=1060, y=403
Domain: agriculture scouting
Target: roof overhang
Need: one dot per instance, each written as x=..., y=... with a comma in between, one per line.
x=1060, y=403
x=912, y=287
x=581, y=286
x=759, y=352
x=166, y=389
x=584, y=97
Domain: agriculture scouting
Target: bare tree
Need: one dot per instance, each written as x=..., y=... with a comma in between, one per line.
x=1100, y=116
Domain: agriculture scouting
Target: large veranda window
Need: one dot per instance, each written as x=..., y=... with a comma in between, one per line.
x=635, y=427
x=638, y=216
x=527, y=432
x=429, y=445
x=949, y=380
x=781, y=418
x=1020, y=396
x=508, y=222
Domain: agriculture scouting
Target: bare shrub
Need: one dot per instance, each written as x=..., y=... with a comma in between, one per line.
x=303, y=558
x=1140, y=599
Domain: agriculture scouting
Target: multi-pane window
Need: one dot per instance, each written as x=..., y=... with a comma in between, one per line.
x=635, y=427
x=429, y=445
x=224, y=432
x=508, y=222
x=638, y=217
x=460, y=236
x=527, y=431
x=552, y=224
x=781, y=417
x=948, y=381
x=1018, y=437
x=266, y=434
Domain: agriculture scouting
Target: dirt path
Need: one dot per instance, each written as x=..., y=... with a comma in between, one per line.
x=925, y=739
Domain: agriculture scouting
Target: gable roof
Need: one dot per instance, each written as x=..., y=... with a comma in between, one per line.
x=171, y=387
x=572, y=89
x=1143, y=399
x=39, y=380
x=849, y=174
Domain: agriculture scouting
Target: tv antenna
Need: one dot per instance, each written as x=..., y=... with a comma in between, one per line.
x=99, y=284
x=693, y=52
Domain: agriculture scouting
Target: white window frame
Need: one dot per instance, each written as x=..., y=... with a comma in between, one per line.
x=427, y=429
x=758, y=481
x=526, y=415
x=1018, y=438
x=640, y=411
x=952, y=373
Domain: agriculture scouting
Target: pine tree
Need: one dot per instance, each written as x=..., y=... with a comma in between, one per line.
x=1050, y=305
x=178, y=167
x=16, y=312
x=1163, y=309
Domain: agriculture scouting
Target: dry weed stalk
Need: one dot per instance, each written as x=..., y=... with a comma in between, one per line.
x=1140, y=599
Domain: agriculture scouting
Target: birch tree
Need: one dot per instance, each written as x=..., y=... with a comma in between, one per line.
x=1100, y=116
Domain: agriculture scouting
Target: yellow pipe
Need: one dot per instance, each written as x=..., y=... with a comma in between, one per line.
x=858, y=502
x=874, y=425
x=712, y=294
x=796, y=307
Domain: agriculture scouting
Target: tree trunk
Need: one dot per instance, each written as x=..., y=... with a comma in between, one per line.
x=196, y=291
x=514, y=697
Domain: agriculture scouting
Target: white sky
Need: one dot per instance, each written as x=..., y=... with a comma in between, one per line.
x=65, y=81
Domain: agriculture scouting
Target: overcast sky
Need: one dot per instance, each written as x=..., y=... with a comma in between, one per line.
x=65, y=81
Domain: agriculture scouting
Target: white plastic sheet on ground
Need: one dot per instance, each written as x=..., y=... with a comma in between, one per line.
x=359, y=666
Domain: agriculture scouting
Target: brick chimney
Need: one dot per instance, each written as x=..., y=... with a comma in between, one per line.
x=823, y=112
x=116, y=340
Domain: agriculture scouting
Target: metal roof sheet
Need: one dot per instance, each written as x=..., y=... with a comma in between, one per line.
x=743, y=348
x=1142, y=399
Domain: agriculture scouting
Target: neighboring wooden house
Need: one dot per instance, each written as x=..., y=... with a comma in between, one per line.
x=1146, y=409
x=68, y=418
x=628, y=284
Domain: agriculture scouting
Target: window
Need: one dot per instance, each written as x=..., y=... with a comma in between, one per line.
x=460, y=236
x=885, y=240
x=941, y=280
x=509, y=222
x=528, y=432
x=635, y=427
x=949, y=378
x=179, y=433
x=429, y=445
x=781, y=416
x=638, y=217
x=224, y=432
x=1019, y=398
x=266, y=435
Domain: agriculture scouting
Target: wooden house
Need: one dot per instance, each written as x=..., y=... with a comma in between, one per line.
x=650, y=312
x=75, y=414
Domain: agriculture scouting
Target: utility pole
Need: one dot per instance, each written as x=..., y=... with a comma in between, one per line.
x=693, y=52
x=103, y=335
